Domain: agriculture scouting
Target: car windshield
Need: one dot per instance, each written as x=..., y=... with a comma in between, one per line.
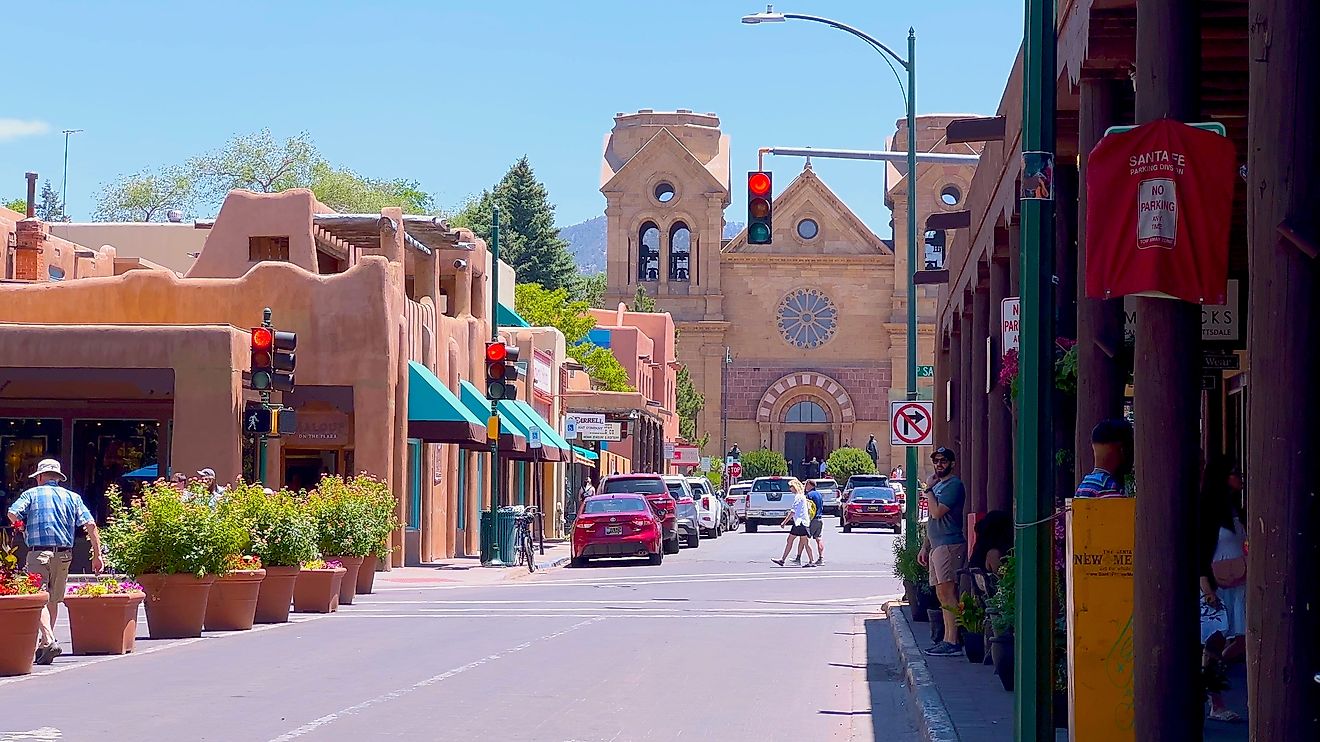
x=615, y=505
x=677, y=491
x=873, y=493
x=632, y=485
x=825, y=484
x=868, y=480
x=771, y=485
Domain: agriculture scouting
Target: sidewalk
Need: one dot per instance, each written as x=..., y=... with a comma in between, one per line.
x=956, y=700
x=468, y=570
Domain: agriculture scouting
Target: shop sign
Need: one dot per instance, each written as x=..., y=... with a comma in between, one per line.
x=1160, y=202
x=1010, y=321
x=606, y=432
x=1219, y=322
x=587, y=425
x=541, y=373
x=320, y=429
x=686, y=455
x=1220, y=362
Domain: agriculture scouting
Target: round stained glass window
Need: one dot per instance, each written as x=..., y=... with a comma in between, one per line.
x=807, y=318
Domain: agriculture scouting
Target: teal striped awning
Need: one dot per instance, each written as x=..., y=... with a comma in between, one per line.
x=435, y=414
x=586, y=454
x=512, y=439
x=508, y=317
x=549, y=435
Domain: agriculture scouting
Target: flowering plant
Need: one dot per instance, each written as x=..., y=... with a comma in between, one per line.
x=165, y=532
x=246, y=563
x=15, y=581
x=107, y=586
x=323, y=564
x=281, y=533
x=347, y=521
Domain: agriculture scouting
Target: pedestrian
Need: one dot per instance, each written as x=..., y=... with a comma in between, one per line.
x=873, y=451
x=213, y=493
x=800, y=517
x=50, y=514
x=1223, y=577
x=179, y=481
x=823, y=462
x=1111, y=446
x=994, y=540
x=944, y=548
x=816, y=526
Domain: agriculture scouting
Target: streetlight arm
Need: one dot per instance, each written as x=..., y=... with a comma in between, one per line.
x=855, y=32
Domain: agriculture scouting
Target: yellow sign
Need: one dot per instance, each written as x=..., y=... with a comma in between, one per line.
x=1101, y=536
x=493, y=428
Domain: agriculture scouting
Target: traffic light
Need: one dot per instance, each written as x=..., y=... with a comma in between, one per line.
x=501, y=370
x=273, y=359
x=758, y=207
x=258, y=419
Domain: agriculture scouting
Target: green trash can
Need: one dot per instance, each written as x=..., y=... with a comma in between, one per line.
x=507, y=519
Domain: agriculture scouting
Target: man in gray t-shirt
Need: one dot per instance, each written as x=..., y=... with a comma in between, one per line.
x=944, y=549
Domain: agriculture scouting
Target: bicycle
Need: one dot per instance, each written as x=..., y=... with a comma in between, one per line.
x=523, y=535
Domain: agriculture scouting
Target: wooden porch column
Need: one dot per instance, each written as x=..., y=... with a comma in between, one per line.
x=1100, y=378
x=954, y=430
x=1166, y=618
x=978, y=447
x=966, y=388
x=941, y=425
x=1283, y=592
x=999, y=418
x=1065, y=314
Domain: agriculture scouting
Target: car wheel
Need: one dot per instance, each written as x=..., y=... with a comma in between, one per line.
x=578, y=562
x=694, y=541
x=656, y=559
x=671, y=545
x=847, y=528
x=751, y=526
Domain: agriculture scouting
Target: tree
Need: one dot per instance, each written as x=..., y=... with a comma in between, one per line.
x=345, y=191
x=49, y=207
x=146, y=196
x=763, y=463
x=544, y=308
x=529, y=240
x=845, y=462
x=690, y=403
x=256, y=162
x=17, y=204
x=602, y=366
x=642, y=301
x=590, y=289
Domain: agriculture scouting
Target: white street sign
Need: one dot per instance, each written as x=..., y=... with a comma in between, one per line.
x=705, y=463
x=570, y=428
x=534, y=438
x=669, y=450
x=607, y=432
x=910, y=422
x=1010, y=318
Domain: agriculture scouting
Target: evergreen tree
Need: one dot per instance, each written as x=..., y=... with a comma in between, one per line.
x=690, y=404
x=49, y=207
x=642, y=301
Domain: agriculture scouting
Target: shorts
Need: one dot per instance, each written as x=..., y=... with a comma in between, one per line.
x=945, y=561
x=816, y=526
x=53, y=567
x=799, y=530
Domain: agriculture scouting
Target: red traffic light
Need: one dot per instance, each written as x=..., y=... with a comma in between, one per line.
x=496, y=351
x=263, y=338
x=758, y=184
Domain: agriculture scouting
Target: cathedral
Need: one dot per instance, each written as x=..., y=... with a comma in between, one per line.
x=798, y=345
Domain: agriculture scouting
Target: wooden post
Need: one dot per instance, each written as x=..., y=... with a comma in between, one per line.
x=967, y=387
x=1166, y=619
x=941, y=425
x=976, y=482
x=954, y=439
x=1283, y=592
x=1101, y=377
x=1065, y=315
x=999, y=432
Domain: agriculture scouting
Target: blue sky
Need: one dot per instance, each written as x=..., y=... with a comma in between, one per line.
x=450, y=93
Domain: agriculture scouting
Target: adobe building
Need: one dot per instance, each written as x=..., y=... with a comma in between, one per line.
x=813, y=325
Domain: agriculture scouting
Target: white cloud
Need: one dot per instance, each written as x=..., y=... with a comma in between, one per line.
x=17, y=128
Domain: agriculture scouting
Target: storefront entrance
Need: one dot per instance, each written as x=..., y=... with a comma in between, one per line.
x=303, y=468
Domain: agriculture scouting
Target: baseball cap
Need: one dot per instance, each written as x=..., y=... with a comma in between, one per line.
x=204, y=473
x=1113, y=430
x=945, y=452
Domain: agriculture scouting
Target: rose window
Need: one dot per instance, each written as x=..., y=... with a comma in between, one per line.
x=807, y=318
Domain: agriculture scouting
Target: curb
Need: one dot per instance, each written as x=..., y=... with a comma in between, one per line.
x=553, y=563
x=932, y=717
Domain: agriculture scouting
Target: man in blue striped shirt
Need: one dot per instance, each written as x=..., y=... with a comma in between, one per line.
x=50, y=516
x=1111, y=444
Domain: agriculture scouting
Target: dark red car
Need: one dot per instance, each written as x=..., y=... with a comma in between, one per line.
x=653, y=487
x=616, y=526
x=872, y=506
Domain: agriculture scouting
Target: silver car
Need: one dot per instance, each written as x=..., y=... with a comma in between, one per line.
x=829, y=495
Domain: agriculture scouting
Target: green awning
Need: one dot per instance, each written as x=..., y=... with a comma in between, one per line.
x=510, y=438
x=435, y=415
x=549, y=434
x=507, y=317
x=526, y=420
x=586, y=454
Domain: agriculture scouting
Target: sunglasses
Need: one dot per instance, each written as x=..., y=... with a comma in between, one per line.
x=939, y=460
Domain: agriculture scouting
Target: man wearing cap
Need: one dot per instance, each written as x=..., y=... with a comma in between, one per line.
x=944, y=549
x=50, y=514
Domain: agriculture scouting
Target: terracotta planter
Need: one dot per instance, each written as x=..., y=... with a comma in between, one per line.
x=233, y=602
x=1001, y=651
x=275, y=596
x=352, y=568
x=317, y=590
x=20, y=617
x=176, y=604
x=103, y=624
x=366, y=576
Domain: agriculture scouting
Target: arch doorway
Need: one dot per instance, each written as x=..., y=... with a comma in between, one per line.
x=807, y=437
x=806, y=415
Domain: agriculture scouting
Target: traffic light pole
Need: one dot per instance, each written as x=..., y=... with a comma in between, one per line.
x=910, y=484
x=265, y=402
x=493, y=425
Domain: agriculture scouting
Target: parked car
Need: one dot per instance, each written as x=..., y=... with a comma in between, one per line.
x=768, y=501
x=872, y=506
x=617, y=526
x=829, y=495
x=864, y=480
x=689, y=520
x=653, y=487
x=736, y=499
x=711, y=510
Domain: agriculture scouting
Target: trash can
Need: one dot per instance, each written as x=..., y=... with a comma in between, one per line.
x=507, y=521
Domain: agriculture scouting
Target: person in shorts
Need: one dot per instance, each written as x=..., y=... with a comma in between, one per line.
x=815, y=527
x=800, y=517
x=944, y=548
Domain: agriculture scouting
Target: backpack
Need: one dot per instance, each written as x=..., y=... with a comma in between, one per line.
x=811, y=509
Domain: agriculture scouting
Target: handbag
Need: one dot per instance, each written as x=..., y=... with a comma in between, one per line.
x=1229, y=572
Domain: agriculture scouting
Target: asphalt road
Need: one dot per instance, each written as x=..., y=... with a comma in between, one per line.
x=716, y=643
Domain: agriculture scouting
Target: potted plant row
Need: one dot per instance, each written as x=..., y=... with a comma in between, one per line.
x=21, y=601
x=282, y=536
x=971, y=622
x=103, y=615
x=916, y=581
x=354, y=519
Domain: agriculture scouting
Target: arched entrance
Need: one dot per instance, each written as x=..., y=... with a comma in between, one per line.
x=805, y=416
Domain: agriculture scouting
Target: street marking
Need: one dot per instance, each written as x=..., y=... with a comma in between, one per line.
x=315, y=724
x=44, y=733
x=667, y=580
x=615, y=616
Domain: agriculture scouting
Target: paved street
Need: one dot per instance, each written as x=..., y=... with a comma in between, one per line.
x=715, y=644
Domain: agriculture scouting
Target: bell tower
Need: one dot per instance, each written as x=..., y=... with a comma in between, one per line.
x=665, y=176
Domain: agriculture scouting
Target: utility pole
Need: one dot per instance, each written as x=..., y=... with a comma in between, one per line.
x=493, y=424
x=1034, y=698
x=64, y=200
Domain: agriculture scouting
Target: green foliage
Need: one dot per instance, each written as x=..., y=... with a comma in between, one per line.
x=147, y=196
x=969, y=614
x=715, y=478
x=763, y=463
x=845, y=462
x=280, y=531
x=529, y=240
x=545, y=308
x=49, y=207
x=345, y=191
x=642, y=301
x=161, y=532
x=17, y=204
x=590, y=289
x=690, y=403
x=1003, y=604
x=256, y=162
x=345, y=519
x=602, y=366
x=906, y=566
x=1065, y=371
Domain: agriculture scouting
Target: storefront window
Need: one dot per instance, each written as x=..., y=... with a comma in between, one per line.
x=104, y=451
x=24, y=442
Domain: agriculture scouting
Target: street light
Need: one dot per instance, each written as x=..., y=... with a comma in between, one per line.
x=910, y=99
x=64, y=199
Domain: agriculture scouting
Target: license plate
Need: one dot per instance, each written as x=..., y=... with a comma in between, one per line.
x=613, y=530
x=873, y=509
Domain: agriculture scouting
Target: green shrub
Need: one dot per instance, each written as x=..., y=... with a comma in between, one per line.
x=382, y=510
x=970, y=615
x=348, y=516
x=1003, y=604
x=906, y=566
x=763, y=463
x=845, y=462
x=279, y=530
x=161, y=533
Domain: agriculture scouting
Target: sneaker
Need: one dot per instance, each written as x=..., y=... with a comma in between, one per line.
x=780, y=562
x=47, y=654
x=811, y=564
x=944, y=649
x=820, y=561
x=797, y=560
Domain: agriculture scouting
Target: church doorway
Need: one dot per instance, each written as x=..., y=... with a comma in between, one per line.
x=800, y=448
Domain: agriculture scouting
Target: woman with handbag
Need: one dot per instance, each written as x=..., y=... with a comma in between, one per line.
x=1223, y=579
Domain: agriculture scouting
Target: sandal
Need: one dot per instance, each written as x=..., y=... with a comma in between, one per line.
x=1227, y=715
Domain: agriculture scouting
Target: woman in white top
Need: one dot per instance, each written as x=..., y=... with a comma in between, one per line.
x=1223, y=579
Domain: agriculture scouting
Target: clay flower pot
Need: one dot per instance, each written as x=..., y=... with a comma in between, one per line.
x=20, y=617
x=275, y=595
x=366, y=576
x=103, y=624
x=233, y=602
x=176, y=604
x=317, y=590
x=353, y=567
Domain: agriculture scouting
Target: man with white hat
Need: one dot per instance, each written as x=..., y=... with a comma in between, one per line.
x=49, y=515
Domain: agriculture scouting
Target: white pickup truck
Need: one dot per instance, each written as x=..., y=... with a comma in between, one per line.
x=768, y=501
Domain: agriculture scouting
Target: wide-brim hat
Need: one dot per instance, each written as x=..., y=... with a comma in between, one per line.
x=48, y=466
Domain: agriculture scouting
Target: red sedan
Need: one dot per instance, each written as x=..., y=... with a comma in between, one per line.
x=616, y=526
x=872, y=506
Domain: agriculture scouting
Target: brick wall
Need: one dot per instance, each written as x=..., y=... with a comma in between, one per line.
x=868, y=386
